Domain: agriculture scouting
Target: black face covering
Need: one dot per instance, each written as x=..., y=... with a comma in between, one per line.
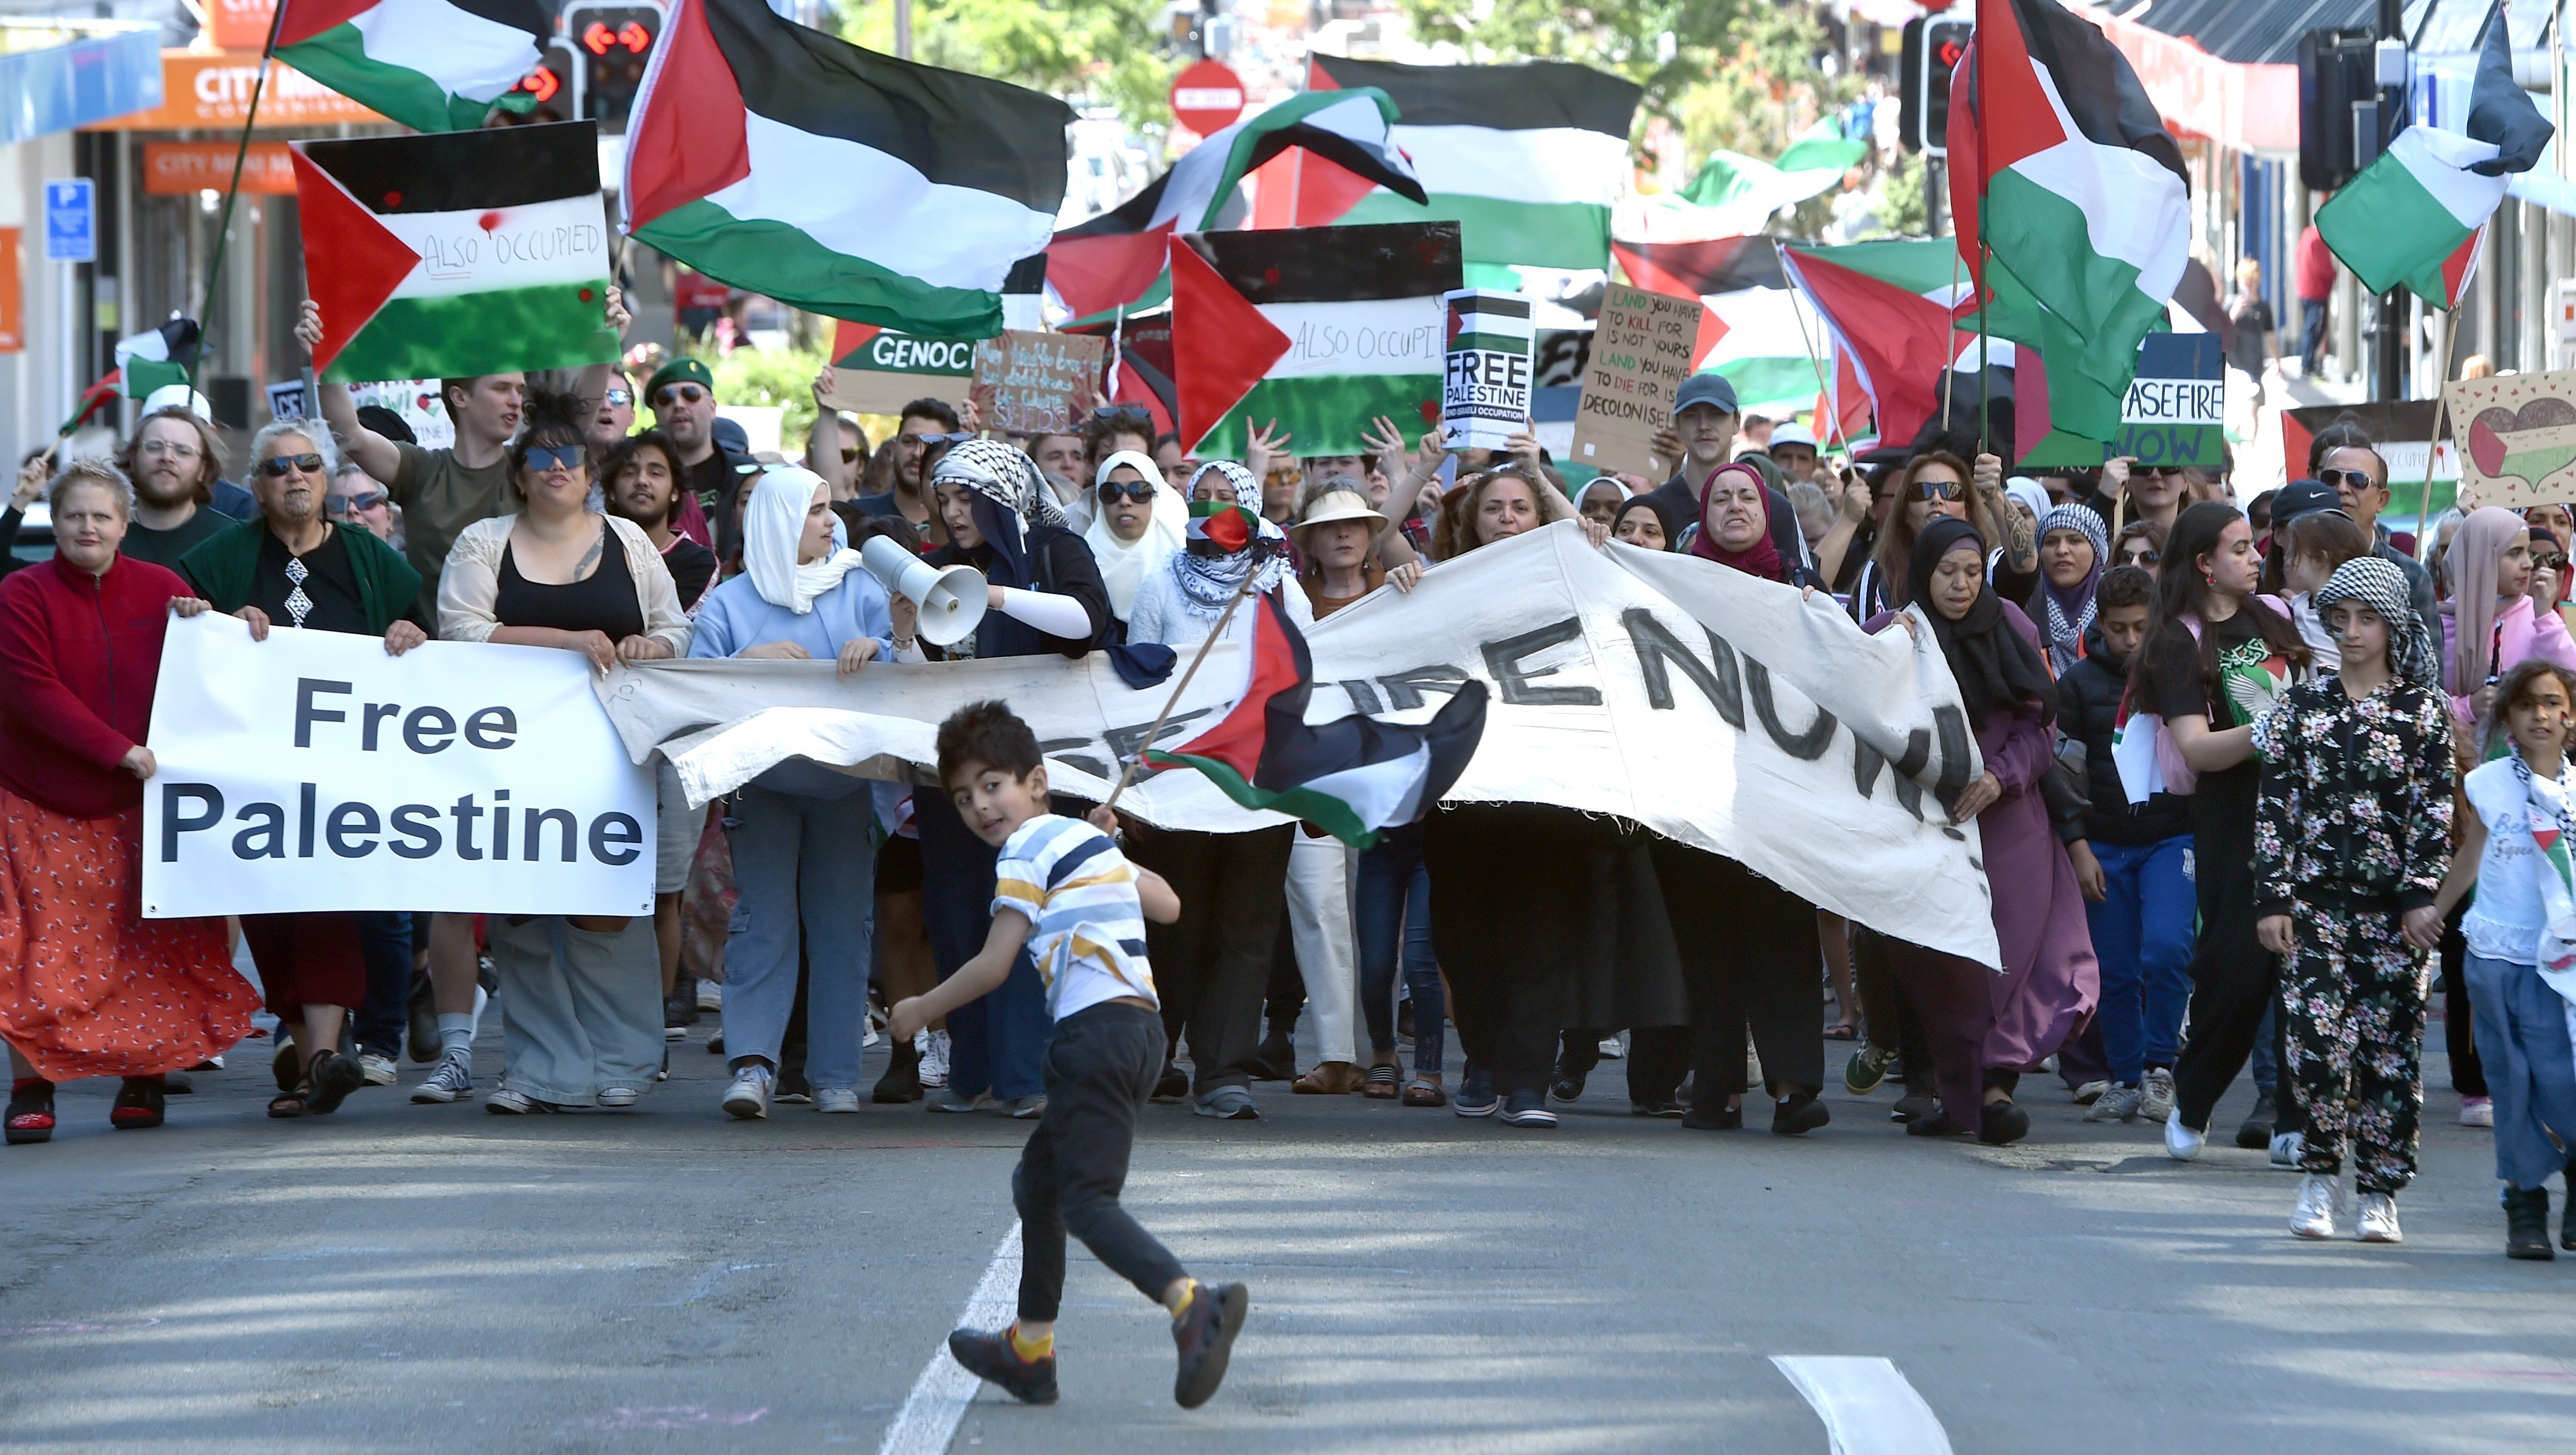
x=1996, y=670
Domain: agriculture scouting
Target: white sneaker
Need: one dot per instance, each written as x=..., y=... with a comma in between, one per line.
x=710, y=995
x=2181, y=1141
x=2156, y=1094
x=748, y=1097
x=379, y=1070
x=2379, y=1219
x=614, y=1097
x=1611, y=1050
x=505, y=1102
x=2319, y=1196
x=2287, y=1149
x=2475, y=1111
x=835, y=1099
x=2091, y=1092
x=932, y=1048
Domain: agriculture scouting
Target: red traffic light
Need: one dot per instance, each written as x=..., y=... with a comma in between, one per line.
x=542, y=84
x=1950, y=51
x=597, y=38
x=634, y=37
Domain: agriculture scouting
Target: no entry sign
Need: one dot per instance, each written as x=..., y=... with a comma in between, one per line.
x=1207, y=98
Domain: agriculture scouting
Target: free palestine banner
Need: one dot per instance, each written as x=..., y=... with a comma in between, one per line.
x=1713, y=708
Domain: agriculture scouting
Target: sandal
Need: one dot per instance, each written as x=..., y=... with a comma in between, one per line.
x=1843, y=1031
x=1425, y=1092
x=139, y=1105
x=287, y=1105
x=333, y=1076
x=31, y=1111
x=1328, y=1078
x=1381, y=1083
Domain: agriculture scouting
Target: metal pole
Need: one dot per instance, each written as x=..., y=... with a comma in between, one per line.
x=903, y=29
x=2389, y=381
x=224, y=223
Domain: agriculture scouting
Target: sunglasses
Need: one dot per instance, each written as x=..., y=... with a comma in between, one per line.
x=2551, y=562
x=1139, y=491
x=542, y=458
x=354, y=505
x=1935, y=490
x=277, y=465
x=2334, y=479
x=849, y=455
x=679, y=393
x=620, y=398
x=2138, y=557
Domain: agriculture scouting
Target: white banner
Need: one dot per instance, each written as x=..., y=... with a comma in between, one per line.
x=313, y=772
x=1713, y=708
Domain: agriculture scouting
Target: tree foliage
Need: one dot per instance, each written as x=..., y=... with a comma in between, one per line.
x=1628, y=37
x=1101, y=50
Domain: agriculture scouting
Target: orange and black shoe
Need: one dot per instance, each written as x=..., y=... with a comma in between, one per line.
x=31, y=1110
x=138, y=1106
x=1205, y=1333
x=990, y=1357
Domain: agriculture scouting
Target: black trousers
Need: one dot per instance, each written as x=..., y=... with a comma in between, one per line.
x=2468, y=1073
x=1750, y=959
x=1508, y=942
x=1658, y=1059
x=1212, y=968
x=1099, y=1068
x=2233, y=978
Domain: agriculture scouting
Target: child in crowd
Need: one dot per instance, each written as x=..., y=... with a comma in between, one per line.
x=1063, y=890
x=2514, y=848
x=2351, y=842
x=2142, y=907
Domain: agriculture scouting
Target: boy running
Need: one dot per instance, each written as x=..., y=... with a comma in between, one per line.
x=1064, y=890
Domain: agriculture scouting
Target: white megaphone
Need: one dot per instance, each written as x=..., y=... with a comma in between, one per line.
x=951, y=601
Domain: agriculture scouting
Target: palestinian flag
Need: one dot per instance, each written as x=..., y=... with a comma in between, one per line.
x=789, y=163
x=1735, y=195
x=433, y=65
x=1890, y=309
x=2418, y=215
x=2058, y=155
x=457, y=253
x=1117, y=257
x=156, y=360
x=1350, y=777
x=1527, y=159
x=1752, y=328
x=1321, y=329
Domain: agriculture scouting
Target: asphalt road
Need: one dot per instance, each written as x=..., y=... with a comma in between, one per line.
x=400, y=1278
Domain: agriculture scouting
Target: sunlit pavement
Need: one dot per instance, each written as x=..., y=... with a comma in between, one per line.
x=401, y=1277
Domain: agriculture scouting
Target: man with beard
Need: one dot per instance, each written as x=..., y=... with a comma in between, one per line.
x=643, y=476
x=174, y=460
x=683, y=395
x=923, y=420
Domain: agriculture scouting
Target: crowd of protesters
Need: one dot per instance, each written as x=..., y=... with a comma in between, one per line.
x=2251, y=776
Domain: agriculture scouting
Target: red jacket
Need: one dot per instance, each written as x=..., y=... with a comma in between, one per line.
x=79, y=657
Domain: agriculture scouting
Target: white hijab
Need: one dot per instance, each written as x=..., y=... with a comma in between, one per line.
x=1125, y=565
x=772, y=524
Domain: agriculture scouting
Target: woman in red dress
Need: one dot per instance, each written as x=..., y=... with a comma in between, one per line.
x=87, y=986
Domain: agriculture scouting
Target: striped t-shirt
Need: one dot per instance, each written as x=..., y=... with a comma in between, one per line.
x=1087, y=928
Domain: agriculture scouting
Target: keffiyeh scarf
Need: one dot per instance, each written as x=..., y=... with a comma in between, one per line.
x=1005, y=475
x=1211, y=570
x=2379, y=584
x=2071, y=609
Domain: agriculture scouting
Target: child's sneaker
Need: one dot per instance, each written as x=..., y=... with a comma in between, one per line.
x=990, y=1357
x=1205, y=1334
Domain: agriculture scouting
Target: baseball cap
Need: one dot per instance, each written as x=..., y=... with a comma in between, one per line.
x=1706, y=389
x=179, y=396
x=2302, y=497
x=1792, y=433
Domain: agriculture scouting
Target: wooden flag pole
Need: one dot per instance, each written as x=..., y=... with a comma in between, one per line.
x=1129, y=772
x=2424, y=505
x=224, y=225
x=1824, y=391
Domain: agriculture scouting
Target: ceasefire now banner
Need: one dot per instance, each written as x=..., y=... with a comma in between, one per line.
x=1714, y=708
x=314, y=772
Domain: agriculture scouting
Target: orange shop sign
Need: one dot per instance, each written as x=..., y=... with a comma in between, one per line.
x=179, y=168
x=210, y=90
x=240, y=25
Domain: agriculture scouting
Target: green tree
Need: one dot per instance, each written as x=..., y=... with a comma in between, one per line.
x=1665, y=46
x=1104, y=51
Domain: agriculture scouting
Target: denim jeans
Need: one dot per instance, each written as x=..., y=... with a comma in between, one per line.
x=809, y=864
x=384, y=938
x=1393, y=916
x=2522, y=1037
x=2142, y=934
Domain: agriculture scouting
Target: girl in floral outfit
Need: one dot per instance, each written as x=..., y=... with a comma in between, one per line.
x=2351, y=842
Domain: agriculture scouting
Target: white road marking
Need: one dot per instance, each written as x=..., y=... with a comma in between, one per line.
x=928, y=1419
x=1867, y=1406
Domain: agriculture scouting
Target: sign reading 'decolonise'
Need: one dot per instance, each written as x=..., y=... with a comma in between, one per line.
x=314, y=772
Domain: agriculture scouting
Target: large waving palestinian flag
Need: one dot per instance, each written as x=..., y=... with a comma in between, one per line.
x=1320, y=329
x=1752, y=328
x=1527, y=159
x=1889, y=307
x=1117, y=257
x=2058, y=155
x=793, y=164
x=1350, y=777
x=433, y=65
x=458, y=253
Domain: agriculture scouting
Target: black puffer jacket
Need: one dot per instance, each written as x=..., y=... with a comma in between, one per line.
x=2088, y=708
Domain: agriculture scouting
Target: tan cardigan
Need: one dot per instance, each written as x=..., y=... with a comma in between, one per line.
x=471, y=581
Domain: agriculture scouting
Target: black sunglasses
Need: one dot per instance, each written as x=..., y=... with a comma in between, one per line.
x=2138, y=558
x=1935, y=490
x=542, y=458
x=277, y=465
x=354, y=504
x=849, y=455
x=2335, y=479
x=684, y=393
x=1139, y=491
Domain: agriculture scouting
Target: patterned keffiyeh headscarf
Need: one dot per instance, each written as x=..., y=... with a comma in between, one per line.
x=2071, y=610
x=2381, y=586
x=1005, y=475
x=1208, y=572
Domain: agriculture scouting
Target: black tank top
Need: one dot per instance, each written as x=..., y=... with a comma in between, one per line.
x=603, y=601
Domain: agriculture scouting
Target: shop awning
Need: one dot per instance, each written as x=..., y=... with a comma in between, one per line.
x=59, y=74
x=2224, y=69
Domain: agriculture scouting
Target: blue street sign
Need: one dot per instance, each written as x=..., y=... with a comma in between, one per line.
x=71, y=222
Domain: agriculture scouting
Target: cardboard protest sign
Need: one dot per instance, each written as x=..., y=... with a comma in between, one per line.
x=1485, y=387
x=880, y=370
x=1641, y=353
x=417, y=402
x=286, y=400
x=1322, y=329
x=2176, y=407
x=1717, y=709
x=456, y=253
x=313, y=772
x=1025, y=383
x=2517, y=437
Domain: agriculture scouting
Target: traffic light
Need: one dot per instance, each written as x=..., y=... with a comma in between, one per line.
x=550, y=85
x=1927, y=83
x=612, y=44
x=2339, y=117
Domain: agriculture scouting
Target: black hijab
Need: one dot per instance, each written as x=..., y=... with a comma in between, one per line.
x=1673, y=521
x=1997, y=671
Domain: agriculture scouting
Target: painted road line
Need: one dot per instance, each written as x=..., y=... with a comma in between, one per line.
x=1867, y=1406
x=928, y=1419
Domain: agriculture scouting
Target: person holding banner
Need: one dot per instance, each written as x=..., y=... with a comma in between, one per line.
x=1045, y=596
x=803, y=836
x=582, y=997
x=291, y=567
x=87, y=986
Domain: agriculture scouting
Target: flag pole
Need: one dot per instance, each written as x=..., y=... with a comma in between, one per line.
x=2450, y=361
x=1160, y=718
x=1824, y=391
x=1985, y=255
x=224, y=226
